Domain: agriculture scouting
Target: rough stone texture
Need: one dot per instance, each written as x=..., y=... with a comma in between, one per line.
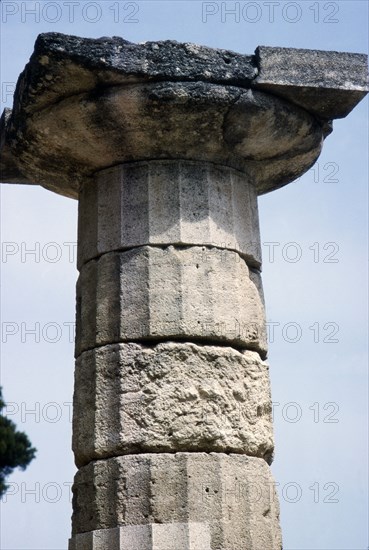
x=155, y=536
x=81, y=64
x=9, y=171
x=150, y=293
x=232, y=496
x=169, y=202
x=99, y=102
x=89, y=132
x=116, y=61
x=83, y=106
x=328, y=84
x=131, y=398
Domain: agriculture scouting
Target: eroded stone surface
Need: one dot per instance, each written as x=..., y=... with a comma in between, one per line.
x=82, y=106
x=233, y=496
x=169, y=202
x=328, y=84
x=132, y=398
x=150, y=293
x=99, y=102
x=154, y=536
x=201, y=121
x=80, y=64
x=9, y=171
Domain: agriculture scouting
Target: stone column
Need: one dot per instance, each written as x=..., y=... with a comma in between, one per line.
x=167, y=147
x=172, y=412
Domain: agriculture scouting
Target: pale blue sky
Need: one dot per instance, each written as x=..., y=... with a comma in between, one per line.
x=321, y=457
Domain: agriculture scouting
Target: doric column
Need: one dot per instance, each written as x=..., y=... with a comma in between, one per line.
x=167, y=147
x=170, y=376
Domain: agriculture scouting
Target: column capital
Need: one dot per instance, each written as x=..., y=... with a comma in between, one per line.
x=83, y=105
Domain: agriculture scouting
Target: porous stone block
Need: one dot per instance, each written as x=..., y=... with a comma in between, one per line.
x=95, y=540
x=127, y=105
x=149, y=293
x=155, y=536
x=82, y=105
x=231, y=496
x=9, y=171
x=328, y=84
x=168, y=203
x=131, y=398
x=201, y=121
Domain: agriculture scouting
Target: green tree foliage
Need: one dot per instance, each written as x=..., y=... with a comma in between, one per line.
x=15, y=448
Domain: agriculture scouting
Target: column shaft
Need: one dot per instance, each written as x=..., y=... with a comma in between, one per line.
x=170, y=376
x=167, y=146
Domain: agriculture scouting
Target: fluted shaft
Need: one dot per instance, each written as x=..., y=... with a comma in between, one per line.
x=170, y=376
x=167, y=147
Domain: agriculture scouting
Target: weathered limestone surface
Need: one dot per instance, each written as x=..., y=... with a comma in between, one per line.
x=201, y=121
x=155, y=536
x=81, y=63
x=232, y=496
x=153, y=293
x=9, y=170
x=131, y=398
x=167, y=146
x=328, y=84
x=169, y=203
x=98, y=102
